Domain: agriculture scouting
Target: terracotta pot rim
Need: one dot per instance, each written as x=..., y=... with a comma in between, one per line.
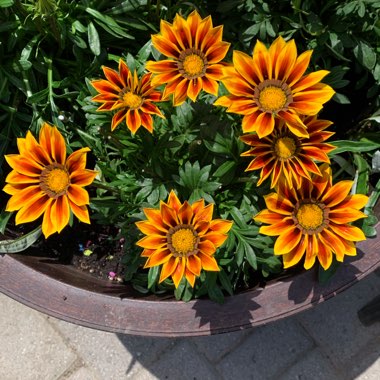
x=66, y=293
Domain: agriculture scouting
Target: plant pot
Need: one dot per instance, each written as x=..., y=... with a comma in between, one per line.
x=69, y=294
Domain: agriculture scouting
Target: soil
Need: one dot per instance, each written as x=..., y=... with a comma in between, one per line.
x=97, y=250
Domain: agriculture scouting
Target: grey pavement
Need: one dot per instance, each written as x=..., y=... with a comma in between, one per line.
x=325, y=342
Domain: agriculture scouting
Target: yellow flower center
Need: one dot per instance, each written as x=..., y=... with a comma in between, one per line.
x=310, y=216
x=272, y=98
x=182, y=240
x=54, y=180
x=132, y=100
x=285, y=147
x=193, y=65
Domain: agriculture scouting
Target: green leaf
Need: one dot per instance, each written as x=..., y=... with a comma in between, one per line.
x=93, y=39
x=224, y=168
x=365, y=55
x=4, y=218
x=225, y=281
x=6, y=3
x=341, y=99
x=354, y=146
x=325, y=275
x=153, y=275
x=21, y=243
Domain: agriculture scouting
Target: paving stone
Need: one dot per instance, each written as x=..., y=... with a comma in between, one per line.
x=112, y=356
x=266, y=351
x=313, y=366
x=216, y=346
x=81, y=374
x=30, y=348
x=366, y=366
x=181, y=361
x=334, y=324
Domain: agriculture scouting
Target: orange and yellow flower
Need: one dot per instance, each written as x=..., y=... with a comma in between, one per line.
x=284, y=154
x=182, y=238
x=272, y=83
x=44, y=181
x=314, y=220
x=195, y=49
x=131, y=97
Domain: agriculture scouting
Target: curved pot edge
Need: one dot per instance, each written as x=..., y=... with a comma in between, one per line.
x=198, y=317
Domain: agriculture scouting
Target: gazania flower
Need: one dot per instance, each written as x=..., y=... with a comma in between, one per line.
x=131, y=97
x=182, y=238
x=272, y=83
x=284, y=154
x=314, y=220
x=194, y=48
x=43, y=181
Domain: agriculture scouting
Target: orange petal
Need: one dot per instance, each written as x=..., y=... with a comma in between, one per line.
x=203, y=215
x=299, y=68
x=243, y=106
x=325, y=256
x=15, y=178
x=309, y=80
x=210, y=85
x=337, y=193
x=78, y=195
x=356, y=201
x=294, y=123
x=216, y=238
x=249, y=122
x=244, y=66
x=160, y=256
x=133, y=120
x=60, y=213
x=48, y=227
x=168, y=268
x=23, y=165
x=118, y=118
x=194, y=264
x=345, y=215
x=208, y=262
x=104, y=87
x=288, y=239
x=152, y=242
x=277, y=228
x=113, y=77
x=278, y=204
x=220, y=225
x=169, y=216
x=83, y=177
x=180, y=92
x=264, y=124
x=77, y=160
x=33, y=209
x=207, y=247
x=194, y=88
x=333, y=241
x=147, y=228
x=81, y=212
x=179, y=271
x=165, y=46
x=295, y=255
x=311, y=251
x=22, y=197
x=348, y=232
x=190, y=277
x=285, y=61
x=185, y=213
x=238, y=86
x=217, y=52
x=154, y=216
x=267, y=216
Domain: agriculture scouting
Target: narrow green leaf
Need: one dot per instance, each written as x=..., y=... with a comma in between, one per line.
x=354, y=146
x=21, y=243
x=93, y=39
x=6, y=3
x=365, y=55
